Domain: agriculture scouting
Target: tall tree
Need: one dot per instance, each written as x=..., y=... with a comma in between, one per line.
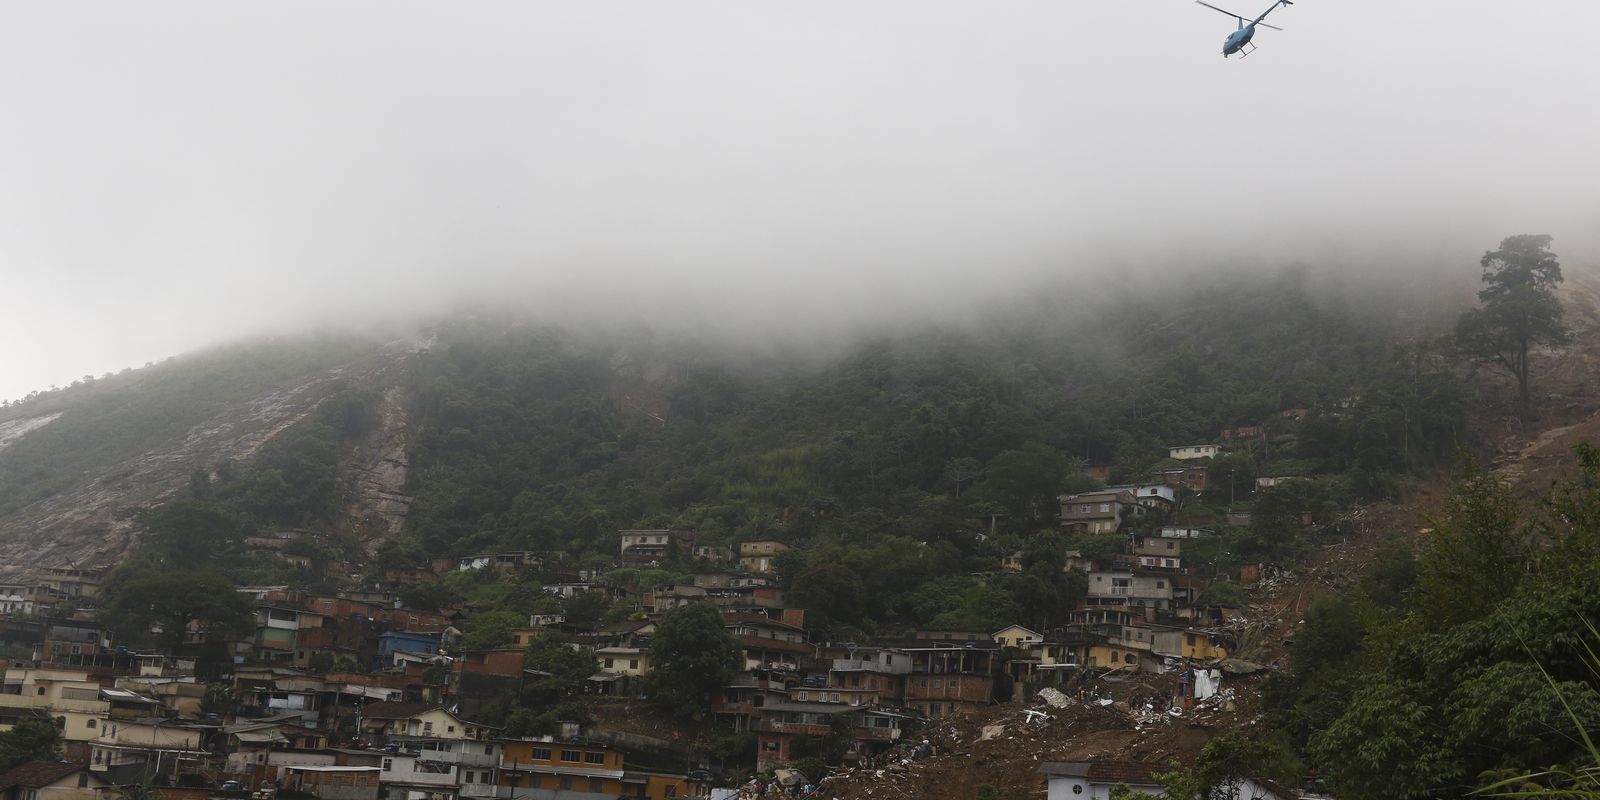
x=171, y=601
x=692, y=656
x=32, y=739
x=1519, y=312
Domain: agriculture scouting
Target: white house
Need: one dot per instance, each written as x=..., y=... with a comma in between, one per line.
x=1193, y=451
x=1094, y=780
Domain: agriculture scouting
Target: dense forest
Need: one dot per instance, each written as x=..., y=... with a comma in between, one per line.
x=905, y=462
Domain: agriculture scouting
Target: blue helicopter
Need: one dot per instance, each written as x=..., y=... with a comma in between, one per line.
x=1240, y=38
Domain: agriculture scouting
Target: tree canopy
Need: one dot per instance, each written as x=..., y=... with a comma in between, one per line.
x=1519, y=310
x=692, y=657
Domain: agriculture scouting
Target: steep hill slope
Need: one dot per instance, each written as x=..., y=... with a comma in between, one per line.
x=74, y=464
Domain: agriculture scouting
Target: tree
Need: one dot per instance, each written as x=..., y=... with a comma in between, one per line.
x=692, y=657
x=1519, y=312
x=1478, y=553
x=32, y=739
x=568, y=669
x=172, y=601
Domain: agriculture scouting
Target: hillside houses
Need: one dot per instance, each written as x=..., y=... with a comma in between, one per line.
x=353, y=696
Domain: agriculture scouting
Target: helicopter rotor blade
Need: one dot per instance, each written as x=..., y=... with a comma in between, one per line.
x=1222, y=10
x=1265, y=25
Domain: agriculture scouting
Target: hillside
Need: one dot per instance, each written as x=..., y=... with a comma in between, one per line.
x=511, y=435
x=77, y=462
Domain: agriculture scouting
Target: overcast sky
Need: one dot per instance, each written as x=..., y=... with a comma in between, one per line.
x=173, y=174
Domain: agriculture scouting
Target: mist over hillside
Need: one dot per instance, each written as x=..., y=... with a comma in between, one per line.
x=493, y=426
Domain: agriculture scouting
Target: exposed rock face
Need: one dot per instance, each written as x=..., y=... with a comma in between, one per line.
x=13, y=429
x=373, y=476
x=90, y=525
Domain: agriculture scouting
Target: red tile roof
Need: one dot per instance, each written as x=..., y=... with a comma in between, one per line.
x=38, y=773
x=1132, y=773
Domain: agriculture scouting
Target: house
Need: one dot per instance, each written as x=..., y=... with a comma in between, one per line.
x=1011, y=562
x=947, y=677
x=332, y=781
x=1155, y=496
x=1295, y=413
x=1192, y=451
x=631, y=661
x=874, y=669
x=721, y=554
x=393, y=642
x=510, y=560
x=1017, y=636
x=1100, y=473
x=50, y=780
x=547, y=769
x=1094, y=780
x=1265, y=482
x=17, y=598
x=760, y=556
x=1245, y=432
x=1184, y=532
x=650, y=546
x=1191, y=478
x=767, y=643
x=1098, y=512
x=71, y=582
x=782, y=722
x=1131, y=589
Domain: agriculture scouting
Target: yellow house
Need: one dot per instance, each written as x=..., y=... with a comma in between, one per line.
x=1017, y=636
x=544, y=769
x=654, y=785
x=632, y=661
x=65, y=695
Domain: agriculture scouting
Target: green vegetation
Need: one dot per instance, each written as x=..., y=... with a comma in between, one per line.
x=1436, y=680
x=108, y=421
x=692, y=658
x=1519, y=312
x=31, y=739
x=888, y=461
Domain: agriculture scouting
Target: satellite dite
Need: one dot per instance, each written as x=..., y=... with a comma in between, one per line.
x=1240, y=38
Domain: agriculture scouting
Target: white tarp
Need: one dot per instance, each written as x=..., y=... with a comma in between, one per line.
x=1206, y=683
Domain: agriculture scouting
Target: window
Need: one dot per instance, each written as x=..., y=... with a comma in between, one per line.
x=608, y=663
x=952, y=683
x=41, y=690
x=571, y=756
x=594, y=758
x=1161, y=584
x=633, y=663
x=89, y=724
x=427, y=727
x=541, y=754
x=1083, y=509
x=468, y=778
x=388, y=764
x=1077, y=788
x=450, y=729
x=938, y=683
x=1105, y=508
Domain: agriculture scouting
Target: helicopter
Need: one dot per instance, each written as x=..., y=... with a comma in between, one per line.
x=1240, y=38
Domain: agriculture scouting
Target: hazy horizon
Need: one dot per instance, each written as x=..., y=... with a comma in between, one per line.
x=182, y=174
